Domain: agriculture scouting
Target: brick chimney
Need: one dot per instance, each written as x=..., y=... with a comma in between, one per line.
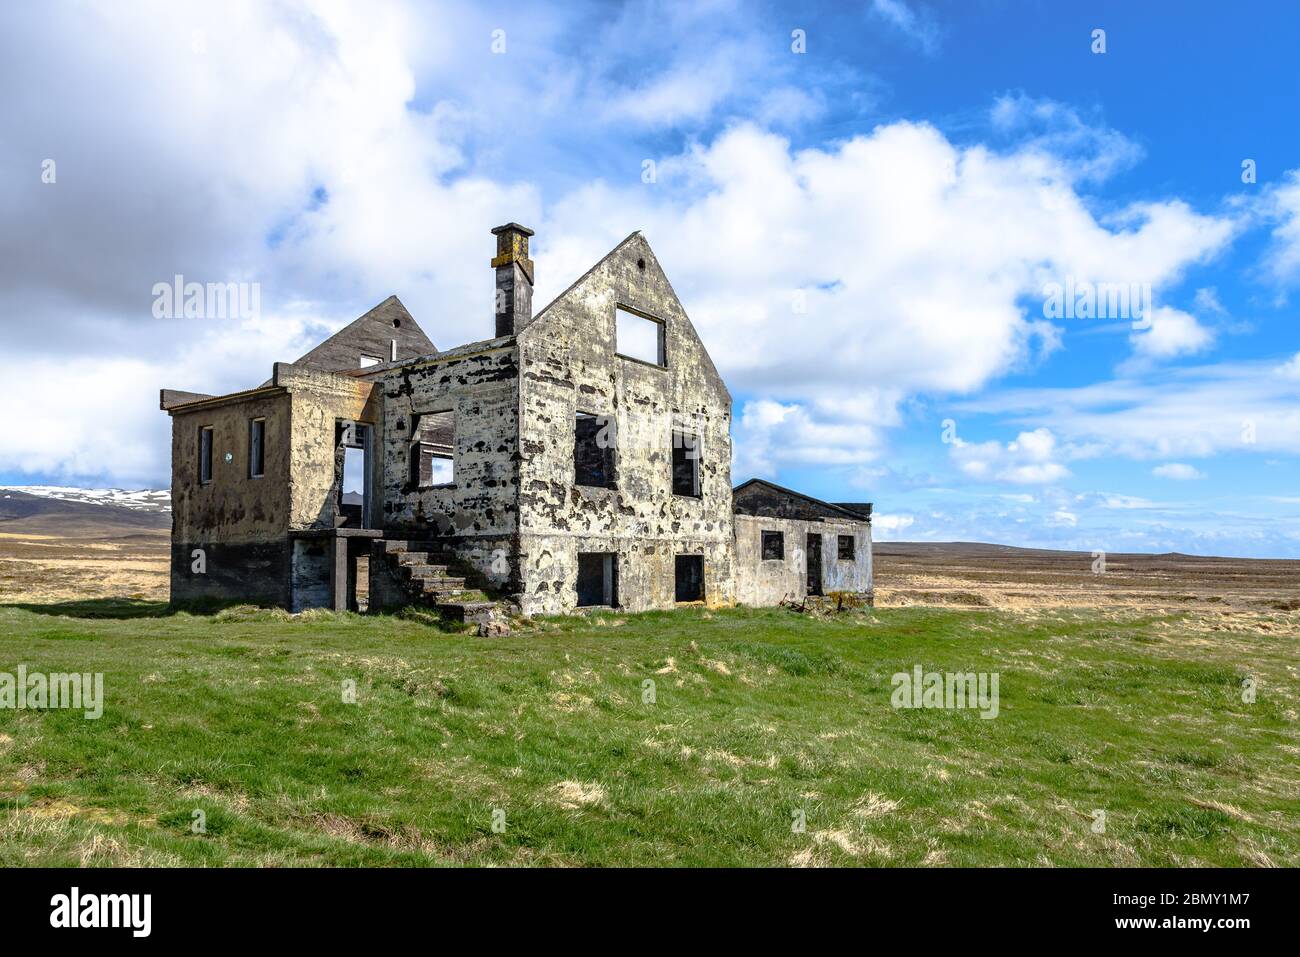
x=514, y=297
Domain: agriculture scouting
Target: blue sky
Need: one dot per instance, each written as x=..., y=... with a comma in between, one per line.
x=862, y=232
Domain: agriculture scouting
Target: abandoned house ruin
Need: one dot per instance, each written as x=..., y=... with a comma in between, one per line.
x=580, y=457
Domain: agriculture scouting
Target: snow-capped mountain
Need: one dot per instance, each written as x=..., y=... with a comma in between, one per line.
x=142, y=500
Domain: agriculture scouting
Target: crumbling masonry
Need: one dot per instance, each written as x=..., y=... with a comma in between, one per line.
x=581, y=457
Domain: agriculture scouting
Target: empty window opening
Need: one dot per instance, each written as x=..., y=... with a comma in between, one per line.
x=594, y=438
x=370, y=361
x=257, y=448
x=433, y=448
x=597, y=579
x=773, y=546
x=846, y=547
x=638, y=337
x=205, y=454
x=686, y=464
x=353, y=470
x=690, y=578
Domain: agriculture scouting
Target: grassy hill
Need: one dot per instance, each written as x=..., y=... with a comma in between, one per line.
x=757, y=717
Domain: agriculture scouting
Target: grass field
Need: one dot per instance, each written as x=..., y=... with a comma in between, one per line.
x=758, y=716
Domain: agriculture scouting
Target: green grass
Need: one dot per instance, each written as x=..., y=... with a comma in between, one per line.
x=757, y=715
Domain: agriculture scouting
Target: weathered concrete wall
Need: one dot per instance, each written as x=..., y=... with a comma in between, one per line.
x=232, y=507
x=241, y=522
x=256, y=573
x=513, y=511
x=762, y=582
x=842, y=574
x=238, y=522
x=568, y=365
x=311, y=564
x=319, y=401
x=478, y=511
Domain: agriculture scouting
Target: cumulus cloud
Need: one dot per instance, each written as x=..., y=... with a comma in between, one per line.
x=1028, y=460
x=901, y=260
x=912, y=21
x=1089, y=150
x=1063, y=518
x=1194, y=411
x=337, y=153
x=771, y=435
x=1177, y=470
x=1172, y=333
x=1282, y=260
x=887, y=526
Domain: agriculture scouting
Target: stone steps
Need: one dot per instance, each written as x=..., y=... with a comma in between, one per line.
x=436, y=579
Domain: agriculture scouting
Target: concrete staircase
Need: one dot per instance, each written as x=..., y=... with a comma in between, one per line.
x=436, y=579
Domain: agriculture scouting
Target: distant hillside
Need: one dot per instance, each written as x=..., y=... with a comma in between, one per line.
x=22, y=513
x=984, y=551
x=141, y=500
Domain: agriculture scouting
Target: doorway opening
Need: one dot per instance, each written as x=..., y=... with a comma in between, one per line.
x=352, y=467
x=597, y=579
x=814, y=559
x=690, y=578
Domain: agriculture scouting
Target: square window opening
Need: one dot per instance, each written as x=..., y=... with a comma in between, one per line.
x=432, y=450
x=639, y=337
x=686, y=464
x=846, y=547
x=773, y=546
x=594, y=440
x=690, y=578
x=597, y=583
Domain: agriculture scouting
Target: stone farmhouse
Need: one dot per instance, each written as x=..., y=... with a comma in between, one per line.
x=579, y=457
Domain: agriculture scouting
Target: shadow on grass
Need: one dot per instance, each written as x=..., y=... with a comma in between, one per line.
x=118, y=608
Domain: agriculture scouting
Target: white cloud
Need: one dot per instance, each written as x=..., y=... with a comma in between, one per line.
x=909, y=256
x=1207, y=300
x=98, y=419
x=1291, y=368
x=1196, y=411
x=900, y=259
x=1028, y=460
x=1178, y=471
x=1121, y=502
x=770, y=435
x=891, y=524
x=1172, y=333
x=789, y=106
x=912, y=22
x=688, y=92
x=1089, y=521
x=1282, y=204
x=1091, y=151
x=1063, y=518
